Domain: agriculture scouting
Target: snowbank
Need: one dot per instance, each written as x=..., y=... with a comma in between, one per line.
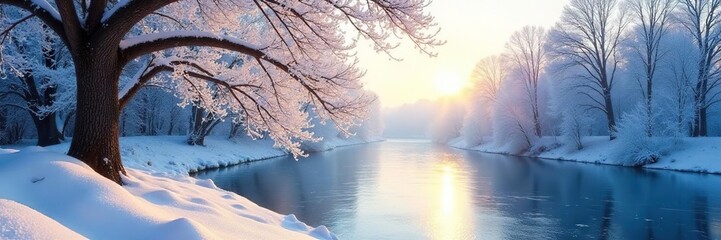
x=48, y=195
x=21, y=222
x=688, y=154
x=171, y=154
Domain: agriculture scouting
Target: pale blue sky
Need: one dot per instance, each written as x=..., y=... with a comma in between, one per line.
x=473, y=29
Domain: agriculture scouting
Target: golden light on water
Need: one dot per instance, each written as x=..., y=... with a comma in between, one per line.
x=437, y=190
x=448, y=191
x=452, y=218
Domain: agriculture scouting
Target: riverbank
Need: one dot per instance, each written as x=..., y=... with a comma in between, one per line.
x=160, y=200
x=699, y=155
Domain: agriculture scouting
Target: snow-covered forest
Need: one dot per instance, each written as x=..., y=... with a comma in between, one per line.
x=643, y=73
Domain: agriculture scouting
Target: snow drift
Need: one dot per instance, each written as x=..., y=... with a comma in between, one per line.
x=48, y=195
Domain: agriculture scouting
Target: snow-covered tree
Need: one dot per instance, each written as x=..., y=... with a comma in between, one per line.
x=298, y=53
x=676, y=97
x=652, y=19
x=589, y=37
x=568, y=102
x=485, y=78
x=527, y=54
x=325, y=133
x=35, y=73
x=702, y=21
x=513, y=126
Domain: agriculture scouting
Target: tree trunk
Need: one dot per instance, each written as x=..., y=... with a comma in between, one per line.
x=95, y=139
x=47, y=128
x=610, y=115
x=171, y=126
x=536, y=115
x=202, y=123
x=649, y=102
x=696, y=132
x=700, y=118
x=536, y=122
x=703, y=115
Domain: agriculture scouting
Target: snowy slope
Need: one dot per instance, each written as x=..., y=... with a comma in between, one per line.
x=45, y=194
x=48, y=195
x=21, y=222
x=690, y=154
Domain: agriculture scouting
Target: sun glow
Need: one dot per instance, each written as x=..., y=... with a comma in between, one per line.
x=449, y=83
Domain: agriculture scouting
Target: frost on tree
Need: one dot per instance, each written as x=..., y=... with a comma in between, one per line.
x=527, y=53
x=486, y=78
x=652, y=20
x=702, y=20
x=296, y=53
x=34, y=73
x=589, y=37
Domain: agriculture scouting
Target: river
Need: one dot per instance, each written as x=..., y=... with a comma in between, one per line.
x=402, y=189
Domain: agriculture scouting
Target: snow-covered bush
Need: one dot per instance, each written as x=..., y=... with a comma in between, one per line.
x=634, y=146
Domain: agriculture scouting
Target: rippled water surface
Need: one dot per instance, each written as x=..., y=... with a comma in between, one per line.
x=418, y=190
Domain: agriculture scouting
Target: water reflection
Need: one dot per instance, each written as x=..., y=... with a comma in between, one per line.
x=411, y=190
x=451, y=218
x=448, y=192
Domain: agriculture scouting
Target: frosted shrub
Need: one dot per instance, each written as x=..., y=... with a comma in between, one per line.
x=634, y=147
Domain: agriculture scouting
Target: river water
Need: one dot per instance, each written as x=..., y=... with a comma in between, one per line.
x=419, y=190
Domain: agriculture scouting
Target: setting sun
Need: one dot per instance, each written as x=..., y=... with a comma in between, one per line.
x=449, y=83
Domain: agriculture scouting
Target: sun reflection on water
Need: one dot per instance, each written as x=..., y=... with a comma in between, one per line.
x=448, y=191
x=451, y=218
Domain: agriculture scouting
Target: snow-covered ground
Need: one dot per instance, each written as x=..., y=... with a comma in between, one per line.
x=686, y=154
x=171, y=154
x=45, y=194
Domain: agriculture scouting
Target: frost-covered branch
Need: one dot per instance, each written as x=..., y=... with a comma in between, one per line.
x=43, y=10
